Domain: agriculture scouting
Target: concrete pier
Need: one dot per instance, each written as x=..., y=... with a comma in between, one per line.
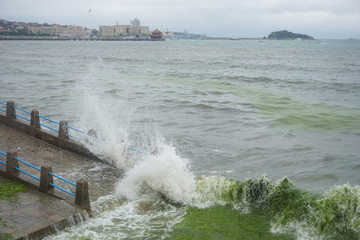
x=35, y=214
x=59, y=174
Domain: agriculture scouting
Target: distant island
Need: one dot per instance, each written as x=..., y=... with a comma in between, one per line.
x=288, y=35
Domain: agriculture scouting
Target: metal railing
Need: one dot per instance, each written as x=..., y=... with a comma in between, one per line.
x=1, y=110
x=20, y=115
x=58, y=125
x=48, y=119
x=67, y=181
x=38, y=169
x=2, y=153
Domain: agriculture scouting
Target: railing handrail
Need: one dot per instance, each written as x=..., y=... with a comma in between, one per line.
x=4, y=155
x=37, y=168
x=75, y=129
x=62, y=179
x=21, y=117
x=70, y=193
x=27, y=173
x=30, y=165
x=72, y=136
x=22, y=110
x=41, y=124
x=66, y=126
x=47, y=119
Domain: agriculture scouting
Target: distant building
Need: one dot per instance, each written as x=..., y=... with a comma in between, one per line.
x=135, y=22
x=58, y=30
x=132, y=30
x=156, y=34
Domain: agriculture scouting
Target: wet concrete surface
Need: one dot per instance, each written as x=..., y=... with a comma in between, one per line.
x=32, y=210
x=101, y=176
x=34, y=214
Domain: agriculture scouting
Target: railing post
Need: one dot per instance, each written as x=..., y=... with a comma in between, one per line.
x=92, y=133
x=11, y=163
x=46, y=179
x=35, y=119
x=82, y=194
x=10, y=110
x=34, y=126
x=63, y=133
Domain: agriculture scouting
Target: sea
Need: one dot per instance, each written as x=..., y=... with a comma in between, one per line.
x=203, y=139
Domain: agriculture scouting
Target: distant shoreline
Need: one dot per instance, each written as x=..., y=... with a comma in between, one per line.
x=72, y=38
x=257, y=39
x=81, y=38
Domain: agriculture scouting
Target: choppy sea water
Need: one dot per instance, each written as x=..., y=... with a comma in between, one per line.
x=243, y=139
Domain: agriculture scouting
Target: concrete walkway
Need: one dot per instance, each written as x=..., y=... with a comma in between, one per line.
x=34, y=214
x=69, y=165
x=37, y=214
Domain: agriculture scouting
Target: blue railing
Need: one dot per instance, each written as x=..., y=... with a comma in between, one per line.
x=75, y=129
x=64, y=181
x=20, y=115
x=57, y=123
x=48, y=119
x=1, y=110
x=22, y=110
x=27, y=164
x=27, y=173
x=37, y=168
x=2, y=153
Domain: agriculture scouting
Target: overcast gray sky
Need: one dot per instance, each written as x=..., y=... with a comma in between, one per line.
x=321, y=19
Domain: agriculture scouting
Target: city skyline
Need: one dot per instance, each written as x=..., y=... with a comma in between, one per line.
x=229, y=18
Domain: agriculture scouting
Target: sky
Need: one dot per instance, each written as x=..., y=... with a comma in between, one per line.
x=322, y=19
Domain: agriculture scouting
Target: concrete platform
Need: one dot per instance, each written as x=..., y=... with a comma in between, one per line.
x=34, y=214
x=64, y=163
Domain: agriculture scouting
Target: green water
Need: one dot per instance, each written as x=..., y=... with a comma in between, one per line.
x=223, y=222
x=259, y=202
x=284, y=111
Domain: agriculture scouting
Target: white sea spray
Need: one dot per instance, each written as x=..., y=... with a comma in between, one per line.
x=165, y=173
x=110, y=138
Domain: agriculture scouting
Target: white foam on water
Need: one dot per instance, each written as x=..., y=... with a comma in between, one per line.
x=130, y=220
x=165, y=174
x=301, y=230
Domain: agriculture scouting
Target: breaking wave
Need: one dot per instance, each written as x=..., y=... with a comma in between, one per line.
x=334, y=214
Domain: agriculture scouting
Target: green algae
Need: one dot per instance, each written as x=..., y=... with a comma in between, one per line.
x=332, y=215
x=287, y=112
x=9, y=190
x=339, y=210
x=5, y=236
x=223, y=222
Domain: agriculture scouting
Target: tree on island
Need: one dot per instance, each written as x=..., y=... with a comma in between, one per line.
x=288, y=35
